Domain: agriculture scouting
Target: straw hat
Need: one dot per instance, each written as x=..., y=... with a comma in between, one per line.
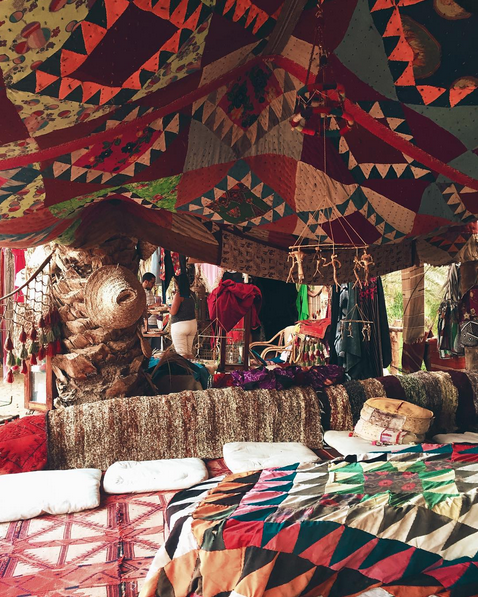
x=114, y=297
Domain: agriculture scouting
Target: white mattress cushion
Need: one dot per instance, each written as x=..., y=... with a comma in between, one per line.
x=456, y=438
x=344, y=444
x=252, y=456
x=130, y=476
x=27, y=495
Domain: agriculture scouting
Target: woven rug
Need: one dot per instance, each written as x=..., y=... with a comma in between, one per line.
x=182, y=425
x=105, y=552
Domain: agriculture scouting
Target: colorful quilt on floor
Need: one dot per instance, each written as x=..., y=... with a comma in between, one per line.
x=405, y=523
x=142, y=116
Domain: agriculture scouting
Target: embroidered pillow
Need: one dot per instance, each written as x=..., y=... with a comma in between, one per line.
x=23, y=445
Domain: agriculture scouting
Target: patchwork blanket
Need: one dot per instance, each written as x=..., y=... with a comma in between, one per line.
x=403, y=524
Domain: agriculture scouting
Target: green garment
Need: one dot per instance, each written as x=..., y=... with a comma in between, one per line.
x=302, y=303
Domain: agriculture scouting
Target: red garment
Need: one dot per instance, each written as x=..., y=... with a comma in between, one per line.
x=230, y=301
x=315, y=328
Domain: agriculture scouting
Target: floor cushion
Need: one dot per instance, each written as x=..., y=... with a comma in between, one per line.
x=27, y=495
x=252, y=456
x=344, y=444
x=130, y=476
x=456, y=438
x=23, y=445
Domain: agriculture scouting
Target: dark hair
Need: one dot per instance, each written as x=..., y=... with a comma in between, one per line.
x=148, y=276
x=183, y=285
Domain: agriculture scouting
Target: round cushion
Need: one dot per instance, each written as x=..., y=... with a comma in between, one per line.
x=396, y=414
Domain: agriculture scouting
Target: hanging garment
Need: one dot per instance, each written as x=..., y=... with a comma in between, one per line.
x=230, y=301
x=449, y=316
x=279, y=308
x=363, y=355
x=302, y=303
x=171, y=264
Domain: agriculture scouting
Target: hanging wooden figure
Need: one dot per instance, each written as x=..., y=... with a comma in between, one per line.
x=297, y=257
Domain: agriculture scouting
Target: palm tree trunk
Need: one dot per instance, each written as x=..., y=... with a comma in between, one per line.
x=97, y=363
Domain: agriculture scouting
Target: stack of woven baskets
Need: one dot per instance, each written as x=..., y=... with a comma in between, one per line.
x=389, y=421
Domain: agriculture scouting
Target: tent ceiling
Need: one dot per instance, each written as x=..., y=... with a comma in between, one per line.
x=169, y=120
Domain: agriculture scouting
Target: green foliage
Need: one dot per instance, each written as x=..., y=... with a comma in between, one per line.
x=435, y=278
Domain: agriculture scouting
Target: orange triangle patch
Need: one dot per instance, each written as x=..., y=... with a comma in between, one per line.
x=152, y=64
x=179, y=14
x=92, y=35
x=430, y=93
x=407, y=78
x=459, y=93
x=192, y=22
x=114, y=9
x=67, y=85
x=108, y=93
x=172, y=45
x=133, y=81
x=394, y=26
x=70, y=61
x=382, y=5
x=43, y=80
x=402, y=51
x=89, y=90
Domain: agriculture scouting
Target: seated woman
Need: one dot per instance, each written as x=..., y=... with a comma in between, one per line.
x=183, y=318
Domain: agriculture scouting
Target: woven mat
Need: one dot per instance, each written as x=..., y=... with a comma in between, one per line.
x=186, y=424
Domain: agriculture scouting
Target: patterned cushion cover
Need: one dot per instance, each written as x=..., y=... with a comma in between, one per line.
x=23, y=445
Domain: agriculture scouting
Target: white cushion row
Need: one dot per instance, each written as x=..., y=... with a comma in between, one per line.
x=27, y=495
x=130, y=476
x=345, y=445
x=252, y=456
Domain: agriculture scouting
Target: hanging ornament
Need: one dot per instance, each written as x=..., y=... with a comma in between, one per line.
x=335, y=263
x=357, y=268
x=317, y=104
x=10, y=360
x=319, y=261
x=296, y=255
x=366, y=261
x=366, y=332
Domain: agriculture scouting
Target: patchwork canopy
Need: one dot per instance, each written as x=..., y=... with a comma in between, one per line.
x=169, y=120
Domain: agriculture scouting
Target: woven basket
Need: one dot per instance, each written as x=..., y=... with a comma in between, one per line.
x=114, y=297
x=387, y=436
x=397, y=414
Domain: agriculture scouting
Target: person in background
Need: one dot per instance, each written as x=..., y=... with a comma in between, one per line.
x=149, y=280
x=183, y=318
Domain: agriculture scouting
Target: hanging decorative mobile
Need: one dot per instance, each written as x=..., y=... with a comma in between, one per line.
x=319, y=108
x=360, y=319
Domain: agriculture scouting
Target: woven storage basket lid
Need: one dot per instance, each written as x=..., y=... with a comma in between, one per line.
x=399, y=407
x=397, y=414
x=114, y=297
